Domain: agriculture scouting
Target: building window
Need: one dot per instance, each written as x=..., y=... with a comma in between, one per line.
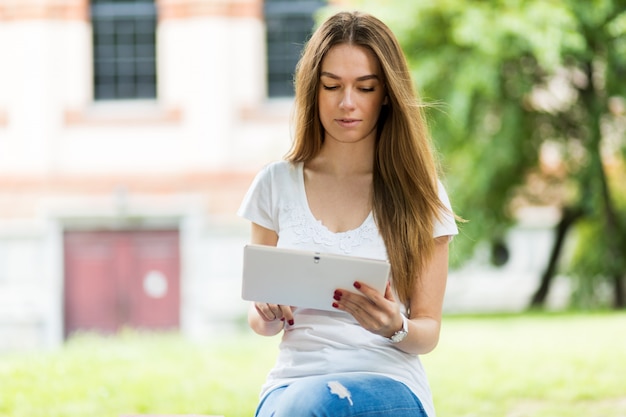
x=124, y=50
x=289, y=24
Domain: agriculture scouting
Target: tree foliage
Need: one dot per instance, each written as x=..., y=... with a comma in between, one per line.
x=529, y=108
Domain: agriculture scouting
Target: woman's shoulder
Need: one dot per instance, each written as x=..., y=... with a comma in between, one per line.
x=281, y=170
x=279, y=166
x=443, y=194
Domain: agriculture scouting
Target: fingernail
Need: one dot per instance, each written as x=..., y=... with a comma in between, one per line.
x=282, y=319
x=357, y=285
x=335, y=305
x=338, y=293
x=290, y=322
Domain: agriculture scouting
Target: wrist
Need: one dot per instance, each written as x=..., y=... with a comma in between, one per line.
x=268, y=328
x=402, y=333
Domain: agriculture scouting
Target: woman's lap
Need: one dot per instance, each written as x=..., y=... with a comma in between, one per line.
x=342, y=395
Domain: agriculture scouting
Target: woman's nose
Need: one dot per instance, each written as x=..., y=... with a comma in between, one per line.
x=347, y=101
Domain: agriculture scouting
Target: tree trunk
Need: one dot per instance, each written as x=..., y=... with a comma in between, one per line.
x=595, y=104
x=569, y=217
x=618, y=287
x=616, y=267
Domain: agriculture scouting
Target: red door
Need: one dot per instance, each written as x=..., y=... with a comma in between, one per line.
x=122, y=278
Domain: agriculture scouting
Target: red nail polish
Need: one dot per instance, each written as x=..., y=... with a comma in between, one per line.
x=291, y=322
x=335, y=305
x=338, y=293
x=357, y=284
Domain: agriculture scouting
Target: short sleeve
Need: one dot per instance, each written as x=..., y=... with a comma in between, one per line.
x=446, y=225
x=257, y=203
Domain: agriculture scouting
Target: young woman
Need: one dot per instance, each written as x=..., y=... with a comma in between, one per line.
x=361, y=180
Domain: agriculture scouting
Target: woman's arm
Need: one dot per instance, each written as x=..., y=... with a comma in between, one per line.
x=427, y=303
x=267, y=319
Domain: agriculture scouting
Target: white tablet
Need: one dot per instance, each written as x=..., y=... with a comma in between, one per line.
x=305, y=279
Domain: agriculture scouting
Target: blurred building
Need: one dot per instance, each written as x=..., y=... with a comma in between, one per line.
x=129, y=132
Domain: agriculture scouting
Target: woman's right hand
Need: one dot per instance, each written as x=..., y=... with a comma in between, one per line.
x=269, y=319
x=273, y=312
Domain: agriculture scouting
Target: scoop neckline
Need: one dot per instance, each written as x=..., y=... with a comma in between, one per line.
x=309, y=213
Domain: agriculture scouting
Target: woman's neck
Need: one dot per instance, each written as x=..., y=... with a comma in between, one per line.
x=341, y=159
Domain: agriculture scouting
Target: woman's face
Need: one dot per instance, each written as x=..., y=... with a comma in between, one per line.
x=351, y=93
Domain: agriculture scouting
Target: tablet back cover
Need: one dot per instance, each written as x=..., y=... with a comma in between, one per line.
x=305, y=279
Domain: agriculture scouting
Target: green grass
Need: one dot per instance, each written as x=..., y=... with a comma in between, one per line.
x=531, y=365
x=493, y=366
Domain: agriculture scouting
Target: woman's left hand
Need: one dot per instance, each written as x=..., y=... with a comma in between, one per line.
x=377, y=313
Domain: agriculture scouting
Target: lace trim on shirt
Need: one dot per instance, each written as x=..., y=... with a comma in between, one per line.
x=307, y=230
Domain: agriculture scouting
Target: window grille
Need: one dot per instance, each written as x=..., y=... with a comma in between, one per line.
x=124, y=49
x=289, y=23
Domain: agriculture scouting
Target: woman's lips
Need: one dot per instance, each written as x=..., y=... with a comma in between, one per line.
x=348, y=122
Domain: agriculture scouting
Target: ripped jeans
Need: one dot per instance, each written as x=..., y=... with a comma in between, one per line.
x=340, y=395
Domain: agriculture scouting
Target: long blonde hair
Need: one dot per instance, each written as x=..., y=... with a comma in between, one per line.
x=405, y=190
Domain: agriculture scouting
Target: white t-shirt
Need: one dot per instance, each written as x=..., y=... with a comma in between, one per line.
x=323, y=342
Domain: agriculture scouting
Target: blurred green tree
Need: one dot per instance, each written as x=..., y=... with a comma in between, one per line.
x=530, y=109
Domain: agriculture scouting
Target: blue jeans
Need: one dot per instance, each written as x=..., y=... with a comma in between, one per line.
x=342, y=395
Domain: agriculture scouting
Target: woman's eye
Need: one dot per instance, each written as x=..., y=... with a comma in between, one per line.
x=330, y=87
x=367, y=89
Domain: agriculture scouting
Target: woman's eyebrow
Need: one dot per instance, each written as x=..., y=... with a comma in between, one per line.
x=336, y=77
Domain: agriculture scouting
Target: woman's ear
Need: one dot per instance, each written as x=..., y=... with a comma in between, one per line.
x=386, y=100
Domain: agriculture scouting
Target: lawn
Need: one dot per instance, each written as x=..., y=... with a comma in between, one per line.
x=539, y=365
x=531, y=366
